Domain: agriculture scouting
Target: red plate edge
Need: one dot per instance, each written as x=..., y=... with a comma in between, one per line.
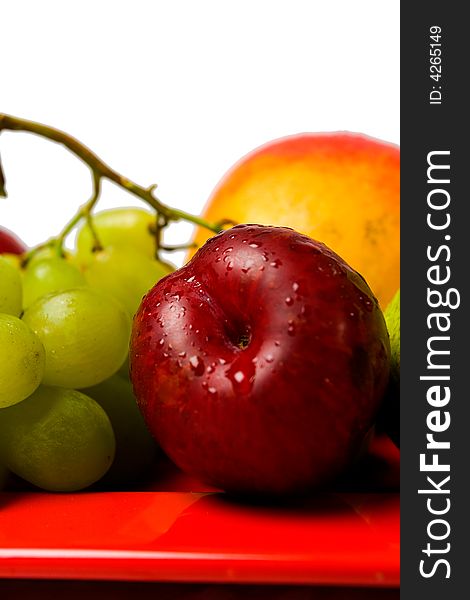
x=332, y=539
x=372, y=563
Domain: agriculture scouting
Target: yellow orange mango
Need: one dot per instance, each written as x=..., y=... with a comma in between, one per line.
x=342, y=189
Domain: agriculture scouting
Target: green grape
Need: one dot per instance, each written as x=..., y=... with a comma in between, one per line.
x=135, y=447
x=22, y=359
x=124, y=273
x=57, y=439
x=132, y=227
x=47, y=275
x=15, y=260
x=10, y=288
x=48, y=252
x=85, y=334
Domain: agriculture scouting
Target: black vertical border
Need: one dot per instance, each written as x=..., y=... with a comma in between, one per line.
x=424, y=128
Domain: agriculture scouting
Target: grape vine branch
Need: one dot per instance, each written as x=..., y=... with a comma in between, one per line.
x=99, y=171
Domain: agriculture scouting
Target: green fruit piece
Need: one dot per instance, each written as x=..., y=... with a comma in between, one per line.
x=125, y=273
x=85, y=335
x=389, y=418
x=133, y=227
x=15, y=260
x=135, y=447
x=48, y=252
x=22, y=360
x=58, y=439
x=392, y=319
x=10, y=288
x=47, y=275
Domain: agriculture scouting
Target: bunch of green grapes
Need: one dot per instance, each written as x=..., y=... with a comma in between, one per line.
x=68, y=417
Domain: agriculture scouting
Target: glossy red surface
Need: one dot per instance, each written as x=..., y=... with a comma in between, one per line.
x=216, y=348
x=349, y=536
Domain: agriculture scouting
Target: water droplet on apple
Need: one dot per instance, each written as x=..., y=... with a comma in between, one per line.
x=197, y=365
x=191, y=279
x=277, y=343
x=212, y=390
x=289, y=301
x=242, y=380
x=249, y=263
x=222, y=361
x=230, y=266
x=182, y=354
x=161, y=341
x=275, y=263
x=254, y=245
x=295, y=287
x=269, y=358
x=210, y=369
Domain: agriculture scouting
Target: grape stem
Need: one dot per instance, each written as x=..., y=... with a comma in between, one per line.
x=99, y=171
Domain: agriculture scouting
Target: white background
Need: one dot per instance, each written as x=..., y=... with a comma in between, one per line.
x=174, y=92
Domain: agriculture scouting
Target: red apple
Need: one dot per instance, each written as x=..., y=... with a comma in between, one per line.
x=260, y=365
x=10, y=243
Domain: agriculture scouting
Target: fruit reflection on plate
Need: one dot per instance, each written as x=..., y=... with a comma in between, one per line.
x=346, y=536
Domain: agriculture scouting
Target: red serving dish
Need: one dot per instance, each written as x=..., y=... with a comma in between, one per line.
x=177, y=529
